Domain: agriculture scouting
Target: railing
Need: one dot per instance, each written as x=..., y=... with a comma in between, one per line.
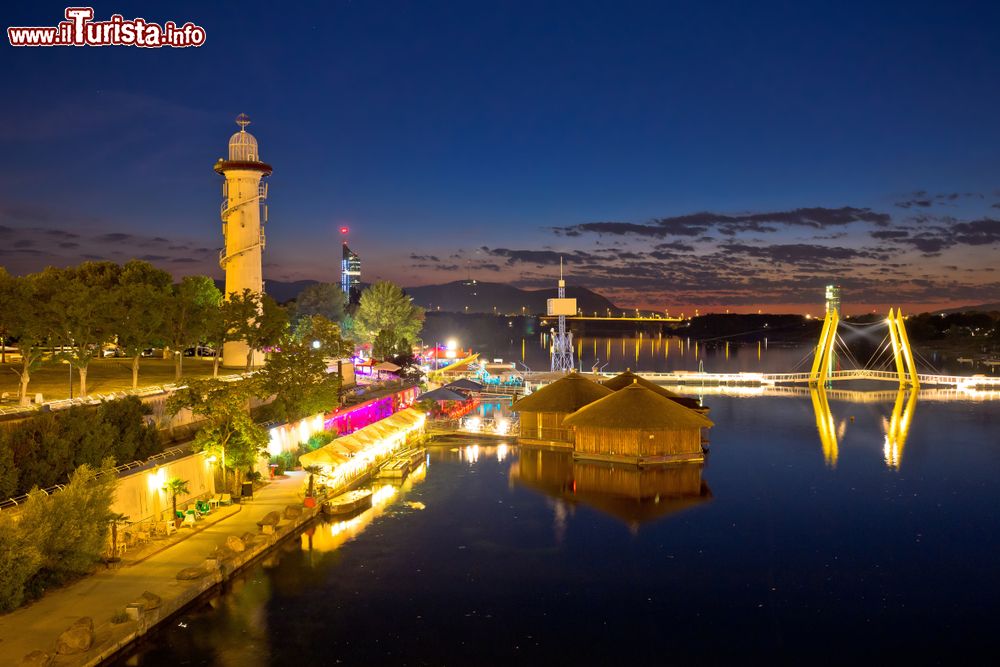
x=97, y=399
x=126, y=468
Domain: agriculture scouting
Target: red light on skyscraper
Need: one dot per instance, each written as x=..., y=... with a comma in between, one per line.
x=344, y=230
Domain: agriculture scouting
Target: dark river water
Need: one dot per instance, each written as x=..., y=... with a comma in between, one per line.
x=875, y=543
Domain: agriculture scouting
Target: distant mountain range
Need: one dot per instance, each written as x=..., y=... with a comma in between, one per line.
x=983, y=308
x=463, y=296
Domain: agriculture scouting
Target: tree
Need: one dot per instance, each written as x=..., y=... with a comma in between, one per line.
x=384, y=307
x=297, y=375
x=144, y=294
x=256, y=319
x=318, y=329
x=326, y=299
x=313, y=470
x=188, y=312
x=83, y=308
x=385, y=345
x=175, y=487
x=230, y=432
x=23, y=316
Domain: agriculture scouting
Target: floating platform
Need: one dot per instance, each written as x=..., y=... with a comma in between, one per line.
x=400, y=466
x=348, y=502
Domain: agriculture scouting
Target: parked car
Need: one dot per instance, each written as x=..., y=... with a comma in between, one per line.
x=201, y=351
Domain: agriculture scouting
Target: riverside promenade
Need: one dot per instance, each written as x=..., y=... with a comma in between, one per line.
x=38, y=626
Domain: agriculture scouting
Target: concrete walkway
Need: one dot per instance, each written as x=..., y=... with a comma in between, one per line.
x=38, y=626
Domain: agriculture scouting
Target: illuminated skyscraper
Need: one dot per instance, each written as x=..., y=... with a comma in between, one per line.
x=350, y=274
x=833, y=298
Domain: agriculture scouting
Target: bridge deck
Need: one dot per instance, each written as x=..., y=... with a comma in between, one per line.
x=778, y=379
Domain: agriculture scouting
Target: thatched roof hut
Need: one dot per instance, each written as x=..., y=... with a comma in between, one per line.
x=628, y=378
x=542, y=412
x=637, y=425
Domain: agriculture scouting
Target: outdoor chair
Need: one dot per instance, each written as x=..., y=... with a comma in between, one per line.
x=203, y=507
x=189, y=520
x=225, y=499
x=215, y=500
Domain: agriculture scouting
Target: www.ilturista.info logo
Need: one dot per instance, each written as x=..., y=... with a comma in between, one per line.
x=79, y=29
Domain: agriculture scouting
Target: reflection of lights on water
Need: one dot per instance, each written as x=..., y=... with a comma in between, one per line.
x=501, y=452
x=471, y=453
x=418, y=474
x=383, y=495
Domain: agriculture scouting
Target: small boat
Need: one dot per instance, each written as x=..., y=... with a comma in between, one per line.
x=348, y=502
x=965, y=360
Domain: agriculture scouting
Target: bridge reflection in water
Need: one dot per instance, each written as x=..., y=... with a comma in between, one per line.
x=897, y=426
x=630, y=494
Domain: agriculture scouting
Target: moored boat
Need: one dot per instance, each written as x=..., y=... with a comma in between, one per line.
x=348, y=502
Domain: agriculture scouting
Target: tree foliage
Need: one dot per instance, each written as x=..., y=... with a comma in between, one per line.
x=23, y=317
x=144, y=294
x=385, y=307
x=230, y=432
x=326, y=299
x=257, y=319
x=189, y=311
x=297, y=375
x=82, y=310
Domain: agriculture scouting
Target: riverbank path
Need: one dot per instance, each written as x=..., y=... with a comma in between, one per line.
x=38, y=625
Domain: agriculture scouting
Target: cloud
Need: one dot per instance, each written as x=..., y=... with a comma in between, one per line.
x=920, y=198
x=539, y=257
x=115, y=237
x=889, y=234
x=424, y=258
x=697, y=224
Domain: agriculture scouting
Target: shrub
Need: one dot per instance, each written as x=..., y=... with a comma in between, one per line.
x=19, y=561
x=57, y=537
x=45, y=448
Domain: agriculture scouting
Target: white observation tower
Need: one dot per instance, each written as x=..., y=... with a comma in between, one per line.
x=562, y=340
x=244, y=213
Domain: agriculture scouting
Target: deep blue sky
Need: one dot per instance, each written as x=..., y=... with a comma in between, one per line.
x=461, y=134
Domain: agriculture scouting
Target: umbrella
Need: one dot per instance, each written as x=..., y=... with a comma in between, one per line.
x=386, y=366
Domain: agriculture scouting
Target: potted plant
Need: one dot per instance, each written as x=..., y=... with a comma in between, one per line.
x=175, y=487
x=313, y=470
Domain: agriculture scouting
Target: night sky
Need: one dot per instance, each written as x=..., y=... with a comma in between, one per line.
x=677, y=154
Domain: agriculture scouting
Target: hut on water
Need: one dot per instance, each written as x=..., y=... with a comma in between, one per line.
x=542, y=412
x=637, y=425
x=628, y=378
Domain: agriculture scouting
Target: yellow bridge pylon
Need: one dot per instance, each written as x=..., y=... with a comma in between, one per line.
x=820, y=372
x=901, y=351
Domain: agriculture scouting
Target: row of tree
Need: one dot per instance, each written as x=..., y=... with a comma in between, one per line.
x=72, y=313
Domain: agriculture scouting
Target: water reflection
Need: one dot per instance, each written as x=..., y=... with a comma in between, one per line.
x=630, y=494
x=330, y=536
x=828, y=435
x=898, y=428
